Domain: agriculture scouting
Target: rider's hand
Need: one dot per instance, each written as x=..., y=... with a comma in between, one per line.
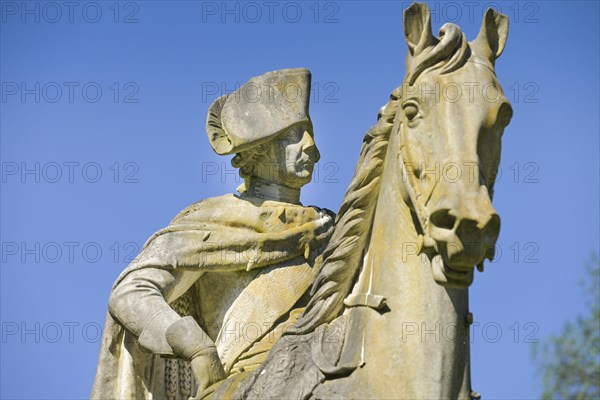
x=207, y=369
x=316, y=232
x=190, y=342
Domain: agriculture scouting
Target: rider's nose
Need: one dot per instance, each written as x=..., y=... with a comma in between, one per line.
x=309, y=146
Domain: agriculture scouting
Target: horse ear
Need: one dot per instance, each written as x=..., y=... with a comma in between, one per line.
x=417, y=27
x=492, y=36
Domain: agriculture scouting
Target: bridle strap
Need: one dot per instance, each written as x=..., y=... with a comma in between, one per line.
x=477, y=60
x=414, y=196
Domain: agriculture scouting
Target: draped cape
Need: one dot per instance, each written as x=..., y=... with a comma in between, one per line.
x=280, y=241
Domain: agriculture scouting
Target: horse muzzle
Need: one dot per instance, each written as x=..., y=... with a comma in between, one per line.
x=461, y=242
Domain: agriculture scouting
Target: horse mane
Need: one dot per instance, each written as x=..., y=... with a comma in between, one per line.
x=344, y=254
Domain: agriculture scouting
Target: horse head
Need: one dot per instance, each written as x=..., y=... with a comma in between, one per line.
x=451, y=116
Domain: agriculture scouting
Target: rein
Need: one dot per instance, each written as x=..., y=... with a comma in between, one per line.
x=425, y=240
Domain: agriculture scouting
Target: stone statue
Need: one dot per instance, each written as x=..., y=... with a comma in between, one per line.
x=210, y=294
x=387, y=315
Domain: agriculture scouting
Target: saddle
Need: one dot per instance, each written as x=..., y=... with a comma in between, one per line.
x=298, y=364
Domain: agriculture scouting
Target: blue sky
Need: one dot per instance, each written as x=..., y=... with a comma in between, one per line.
x=102, y=142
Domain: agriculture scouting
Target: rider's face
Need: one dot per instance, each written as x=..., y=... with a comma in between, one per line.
x=296, y=155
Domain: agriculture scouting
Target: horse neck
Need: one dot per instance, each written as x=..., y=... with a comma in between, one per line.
x=424, y=331
x=392, y=251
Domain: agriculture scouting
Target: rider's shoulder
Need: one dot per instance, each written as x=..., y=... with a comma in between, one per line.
x=227, y=200
x=250, y=207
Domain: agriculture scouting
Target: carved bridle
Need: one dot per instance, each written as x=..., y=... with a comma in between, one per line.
x=425, y=240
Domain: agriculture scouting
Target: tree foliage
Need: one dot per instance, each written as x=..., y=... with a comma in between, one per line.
x=570, y=361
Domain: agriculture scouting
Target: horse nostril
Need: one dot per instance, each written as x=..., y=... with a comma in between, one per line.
x=443, y=219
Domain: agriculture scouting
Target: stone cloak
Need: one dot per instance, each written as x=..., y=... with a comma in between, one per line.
x=217, y=234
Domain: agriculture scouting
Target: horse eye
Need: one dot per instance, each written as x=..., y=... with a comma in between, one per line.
x=411, y=111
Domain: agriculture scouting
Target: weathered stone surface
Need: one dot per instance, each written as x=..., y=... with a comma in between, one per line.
x=229, y=264
x=388, y=313
x=260, y=110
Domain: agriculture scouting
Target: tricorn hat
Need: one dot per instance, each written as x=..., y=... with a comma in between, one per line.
x=259, y=110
